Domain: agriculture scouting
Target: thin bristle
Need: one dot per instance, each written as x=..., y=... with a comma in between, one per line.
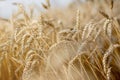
x=104, y=14
x=112, y=4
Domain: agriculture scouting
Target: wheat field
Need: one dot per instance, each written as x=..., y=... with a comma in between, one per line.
x=79, y=42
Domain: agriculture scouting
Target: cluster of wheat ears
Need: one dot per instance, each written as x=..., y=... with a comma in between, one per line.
x=53, y=47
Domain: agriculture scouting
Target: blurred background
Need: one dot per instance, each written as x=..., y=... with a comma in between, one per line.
x=7, y=7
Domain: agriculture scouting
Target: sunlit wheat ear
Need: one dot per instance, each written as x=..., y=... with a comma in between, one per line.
x=108, y=28
x=22, y=32
x=97, y=34
x=85, y=31
x=32, y=67
x=106, y=57
x=41, y=23
x=91, y=30
x=105, y=26
x=29, y=53
x=62, y=34
x=19, y=33
x=22, y=10
x=77, y=20
x=24, y=38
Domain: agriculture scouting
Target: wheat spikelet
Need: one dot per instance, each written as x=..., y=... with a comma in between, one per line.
x=108, y=73
x=92, y=28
